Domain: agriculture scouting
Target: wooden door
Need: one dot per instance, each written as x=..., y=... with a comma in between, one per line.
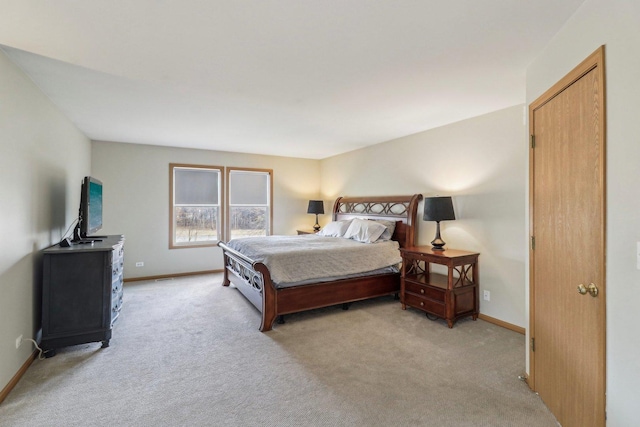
x=567, y=202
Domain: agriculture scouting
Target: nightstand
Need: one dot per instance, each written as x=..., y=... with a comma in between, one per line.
x=448, y=296
x=309, y=231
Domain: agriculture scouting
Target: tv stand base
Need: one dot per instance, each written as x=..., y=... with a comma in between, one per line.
x=86, y=241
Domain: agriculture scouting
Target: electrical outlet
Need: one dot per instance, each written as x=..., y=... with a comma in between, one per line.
x=139, y=264
x=18, y=341
x=487, y=296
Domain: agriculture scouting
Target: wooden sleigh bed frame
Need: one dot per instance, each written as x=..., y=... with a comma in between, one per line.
x=253, y=279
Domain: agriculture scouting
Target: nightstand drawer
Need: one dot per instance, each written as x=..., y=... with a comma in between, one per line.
x=425, y=304
x=426, y=291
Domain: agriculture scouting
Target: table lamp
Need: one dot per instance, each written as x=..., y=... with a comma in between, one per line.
x=316, y=207
x=438, y=209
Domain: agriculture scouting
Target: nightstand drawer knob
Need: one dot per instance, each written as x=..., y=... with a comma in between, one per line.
x=421, y=304
x=422, y=291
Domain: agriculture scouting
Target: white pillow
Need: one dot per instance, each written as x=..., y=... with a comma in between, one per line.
x=335, y=228
x=390, y=228
x=364, y=231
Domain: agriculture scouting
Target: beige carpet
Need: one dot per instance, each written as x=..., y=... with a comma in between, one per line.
x=188, y=352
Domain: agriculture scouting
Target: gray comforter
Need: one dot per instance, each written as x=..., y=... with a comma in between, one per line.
x=305, y=258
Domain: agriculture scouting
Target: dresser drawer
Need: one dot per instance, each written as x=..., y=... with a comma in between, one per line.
x=116, y=269
x=116, y=306
x=116, y=285
x=116, y=303
x=423, y=290
x=425, y=304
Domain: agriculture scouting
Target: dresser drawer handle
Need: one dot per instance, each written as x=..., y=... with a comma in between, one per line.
x=422, y=291
x=421, y=304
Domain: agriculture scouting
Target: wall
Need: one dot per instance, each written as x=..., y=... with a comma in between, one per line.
x=481, y=162
x=613, y=23
x=136, y=200
x=44, y=158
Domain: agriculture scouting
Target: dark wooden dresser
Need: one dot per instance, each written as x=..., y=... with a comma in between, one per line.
x=449, y=296
x=81, y=293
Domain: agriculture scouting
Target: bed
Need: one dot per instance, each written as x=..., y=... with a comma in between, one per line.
x=254, y=280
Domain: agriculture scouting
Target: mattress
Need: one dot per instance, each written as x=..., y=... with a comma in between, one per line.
x=295, y=260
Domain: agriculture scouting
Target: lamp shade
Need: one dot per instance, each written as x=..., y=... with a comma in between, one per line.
x=438, y=209
x=315, y=207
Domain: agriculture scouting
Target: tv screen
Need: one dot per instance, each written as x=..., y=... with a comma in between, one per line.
x=94, y=207
x=90, y=212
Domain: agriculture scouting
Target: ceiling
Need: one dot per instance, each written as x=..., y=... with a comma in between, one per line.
x=295, y=78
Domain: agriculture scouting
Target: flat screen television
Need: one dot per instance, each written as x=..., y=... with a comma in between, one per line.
x=90, y=212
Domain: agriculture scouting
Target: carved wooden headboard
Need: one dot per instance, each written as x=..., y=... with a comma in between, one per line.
x=393, y=208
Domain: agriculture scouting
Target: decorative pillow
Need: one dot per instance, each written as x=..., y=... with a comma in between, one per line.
x=390, y=228
x=335, y=228
x=364, y=231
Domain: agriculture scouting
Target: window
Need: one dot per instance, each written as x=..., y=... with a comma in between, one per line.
x=195, y=198
x=250, y=201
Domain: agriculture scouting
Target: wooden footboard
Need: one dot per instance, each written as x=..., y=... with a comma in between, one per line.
x=253, y=280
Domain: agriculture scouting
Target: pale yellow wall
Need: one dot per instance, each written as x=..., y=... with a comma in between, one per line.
x=615, y=24
x=481, y=162
x=43, y=160
x=136, y=200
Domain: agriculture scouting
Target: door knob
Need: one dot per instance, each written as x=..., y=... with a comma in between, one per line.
x=591, y=289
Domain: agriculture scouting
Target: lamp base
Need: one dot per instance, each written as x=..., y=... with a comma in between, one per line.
x=438, y=243
x=437, y=246
x=316, y=227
